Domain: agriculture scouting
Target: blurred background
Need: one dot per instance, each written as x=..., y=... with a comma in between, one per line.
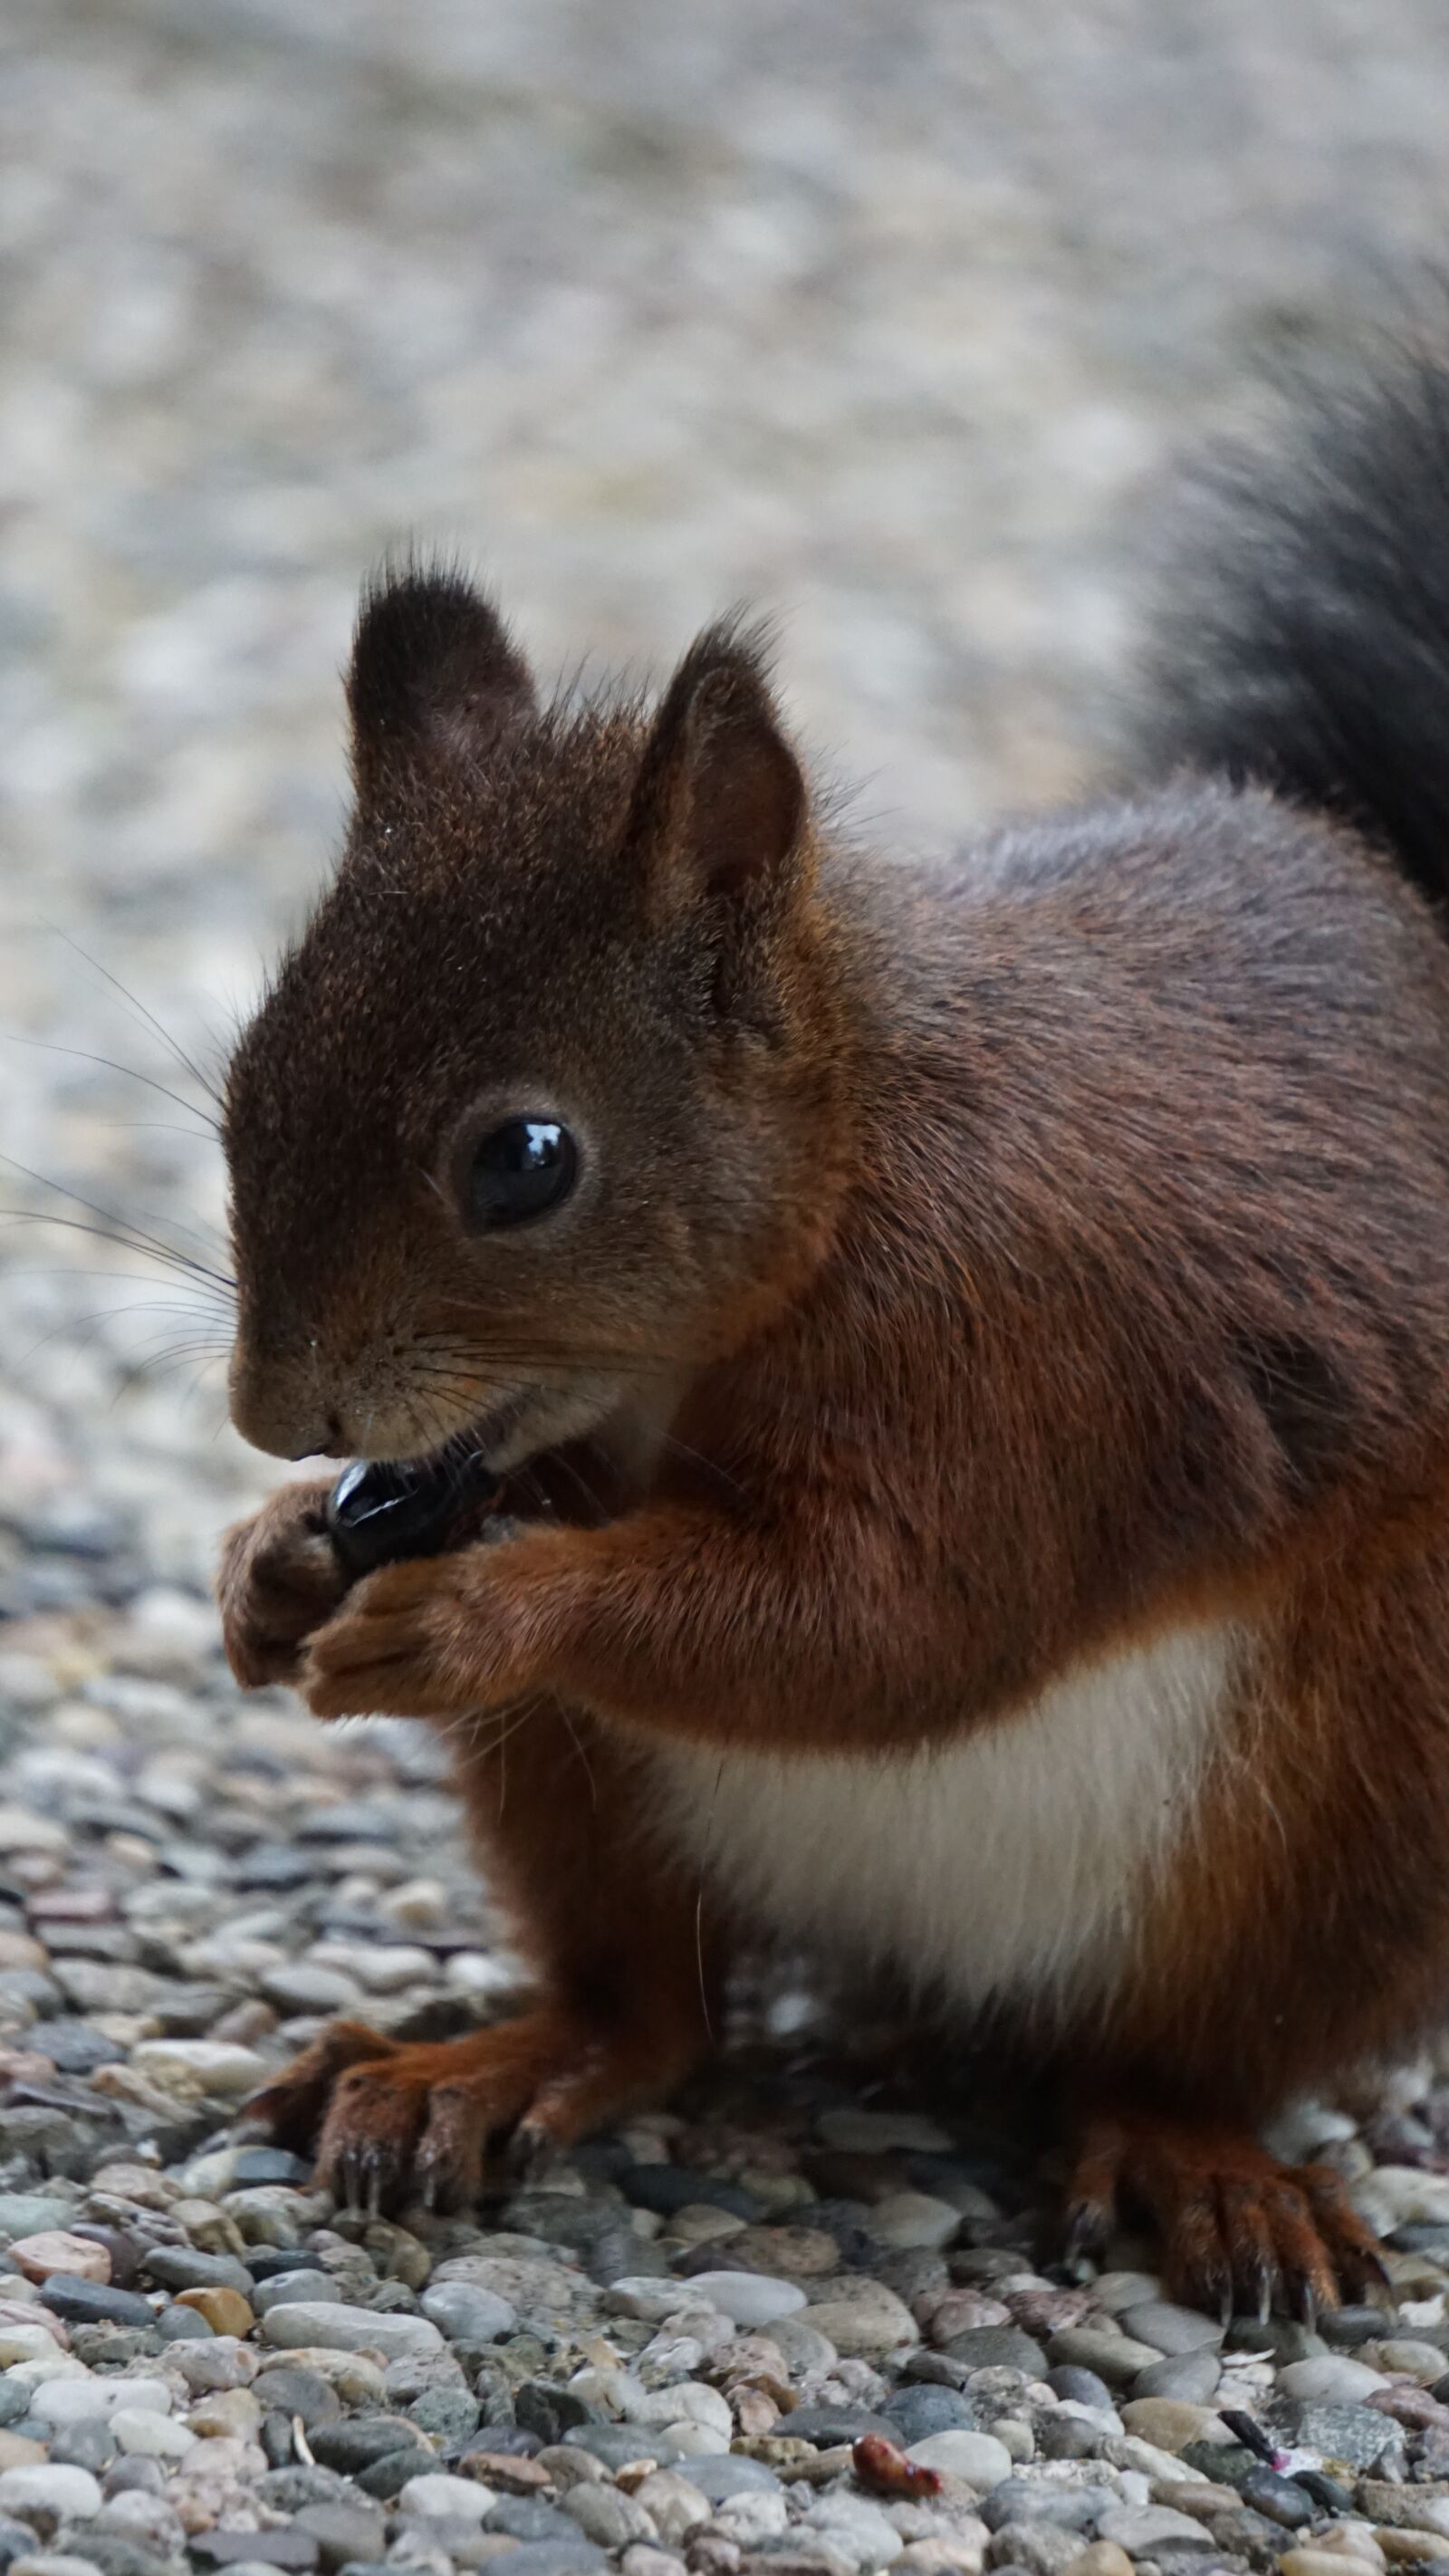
x=888, y=319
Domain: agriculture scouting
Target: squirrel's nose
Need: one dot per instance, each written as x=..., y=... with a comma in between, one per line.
x=277, y=1416
x=323, y=1440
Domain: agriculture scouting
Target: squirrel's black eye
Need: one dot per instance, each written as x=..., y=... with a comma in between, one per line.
x=520, y=1170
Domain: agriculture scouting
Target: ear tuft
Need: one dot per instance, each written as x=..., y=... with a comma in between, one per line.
x=720, y=801
x=433, y=672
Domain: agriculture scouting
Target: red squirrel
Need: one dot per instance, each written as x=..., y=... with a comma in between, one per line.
x=965, y=1343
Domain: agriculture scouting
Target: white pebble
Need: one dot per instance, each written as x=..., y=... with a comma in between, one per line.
x=155, y=2437
x=71, y=2494
x=911, y=2219
x=979, y=2458
x=751, y=2517
x=194, y=2066
x=1331, y=2380
x=860, y=2531
x=750, y=2298
x=343, y=2329
x=439, y=2498
x=75, y=2401
x=20, y=1831
x=691, y=2402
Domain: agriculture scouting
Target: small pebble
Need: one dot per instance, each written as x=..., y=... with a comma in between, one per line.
x=53, y=2250
x=751, y=2298
x=1332, y=2381
x=223, y=2309
x=329, y=2324
x=978, y=2458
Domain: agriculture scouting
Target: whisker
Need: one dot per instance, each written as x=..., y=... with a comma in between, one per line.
x=78, y=1055
x=171, y=1044
x=177, y=1261
x=139, y=1234
x=578, y=1746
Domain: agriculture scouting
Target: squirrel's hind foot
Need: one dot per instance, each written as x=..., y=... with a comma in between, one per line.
x=399, y=2123
x=1241, y=2233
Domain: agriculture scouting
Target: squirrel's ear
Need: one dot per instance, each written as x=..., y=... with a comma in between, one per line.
x=433, y=673
x=719, y=801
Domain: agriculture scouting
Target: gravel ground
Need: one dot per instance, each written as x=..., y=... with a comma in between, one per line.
x=888, y=320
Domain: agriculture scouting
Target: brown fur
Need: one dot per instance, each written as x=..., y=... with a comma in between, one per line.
x=982, y=1266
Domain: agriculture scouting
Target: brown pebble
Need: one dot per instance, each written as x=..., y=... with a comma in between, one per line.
x=514, y=2475
x=1199, y=2497
x=245, y=2022
x=944, y=2313
x=55, y=2250
x=17, y=2451
x=1104, y=2558
x=72, y=1905
x=225, y=2311
x=1403, y=2546
x=1315, y=2561
x=796, y=2253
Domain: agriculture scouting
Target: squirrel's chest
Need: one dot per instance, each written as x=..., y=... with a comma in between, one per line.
x=1016, y=1866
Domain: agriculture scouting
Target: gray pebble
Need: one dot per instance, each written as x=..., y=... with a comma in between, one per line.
x=1170, y=2329
x=33, y=2213
x=354, y=2441
x=529, y=2518
x=1115, y=2358
x=74, y=2046
x=828, y=2426
x=1081, y=2387
x=729, y=2473
x=448, y=2414
x=1001, y=2348
x=258, y=2164
x=88, y=2445
x=386, y=2477
x=284, y=2289
x=573, y=2557
x=187, y=2267
x=1018, y=2500
x=133, y=2474
x=465, y=2313
x=920, y=2409
x=617, y=2444
x=1282, y=2338
x=550, y=2411
x=1358, y=2435
x=1191, y=2376
x=299, y=2391
x=182, y=2325
x=1068, y=2437
x=82, y=2302
x=606, y=2515
x=1278, y=2498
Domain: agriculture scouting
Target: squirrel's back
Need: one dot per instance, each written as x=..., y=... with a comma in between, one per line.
x=1302, y=639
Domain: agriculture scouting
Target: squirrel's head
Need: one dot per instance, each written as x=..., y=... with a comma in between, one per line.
x=535, y=1115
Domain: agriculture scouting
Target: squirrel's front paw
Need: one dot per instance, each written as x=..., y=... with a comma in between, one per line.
x=425, y=1638
x=278, y=1580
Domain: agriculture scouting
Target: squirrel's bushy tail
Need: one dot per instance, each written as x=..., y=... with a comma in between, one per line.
x=1302, y=637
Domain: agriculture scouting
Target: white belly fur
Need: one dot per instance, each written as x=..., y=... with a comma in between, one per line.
x=1010, y=1867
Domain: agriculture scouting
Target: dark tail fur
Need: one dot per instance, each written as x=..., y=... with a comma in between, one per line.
x=1303, y=636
